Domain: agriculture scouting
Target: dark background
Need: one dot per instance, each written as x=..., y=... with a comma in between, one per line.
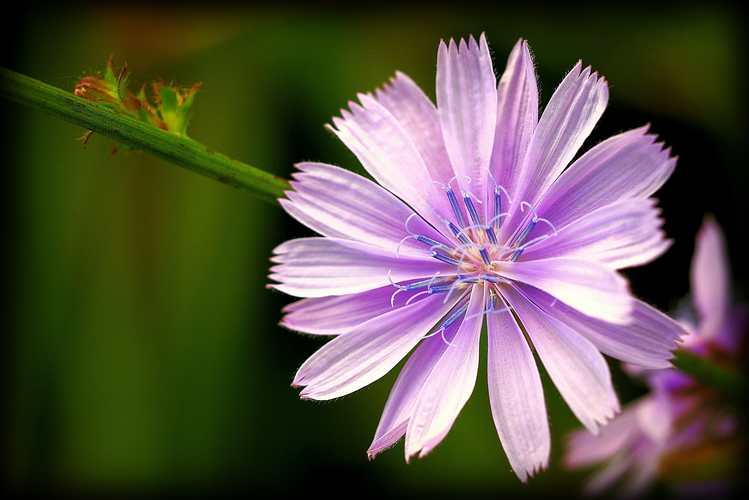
x=141, y=352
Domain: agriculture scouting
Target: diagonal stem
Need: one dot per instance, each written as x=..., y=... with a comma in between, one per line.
x=181, y=151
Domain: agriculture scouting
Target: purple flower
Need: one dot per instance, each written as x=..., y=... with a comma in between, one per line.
x=477, y=223
x=681, y=425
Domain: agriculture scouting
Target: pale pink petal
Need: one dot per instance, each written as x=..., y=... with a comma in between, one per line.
x=516, y=396
x=417, y=114
x=402, y=399
x=341, y=204
x=607, y=477
x=628, y=165
x=576, y=367
x=337, y=314
x=654, y=418
x=646, y=341
x=366, y=353
x=590, y=287
x=585, y=449
x=710, y=278
x=449, y=384
x=386, y=151
x=566, y=122
x=517, y=116
x=624, y=234
x=467, y=106
x=315, y=267
x=643, y=474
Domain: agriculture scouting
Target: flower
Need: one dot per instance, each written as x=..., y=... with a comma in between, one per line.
x=682, y=430
x=475, y=222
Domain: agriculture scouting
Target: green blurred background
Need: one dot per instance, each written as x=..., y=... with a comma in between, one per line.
x=141, y=352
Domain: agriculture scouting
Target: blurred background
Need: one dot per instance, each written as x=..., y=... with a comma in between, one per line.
x=140, y=348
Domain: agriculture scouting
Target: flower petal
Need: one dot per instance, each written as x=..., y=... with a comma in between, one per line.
x=517, y=116
x=467, y=106
x=366, y=353
x=590, y=287
x=628, y=165
x=710, y=278
x=516, y=396
x=315, y=267
x=624, y=234
x=417, y=114
x=449, y=384
x=387, y=152
x=585, y=449
x=568, y=119
x=341, y=204
x=577, y=369
x=337, y=314
x=402, y=399
x=647, y=341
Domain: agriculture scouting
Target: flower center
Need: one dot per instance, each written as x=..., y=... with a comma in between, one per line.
x=471, y=245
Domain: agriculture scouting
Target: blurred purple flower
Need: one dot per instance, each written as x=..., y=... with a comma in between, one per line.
x=477, y=222
x=681, y=425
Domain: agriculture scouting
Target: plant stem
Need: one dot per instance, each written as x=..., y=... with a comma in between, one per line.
x=729, y=382
x=181, y=151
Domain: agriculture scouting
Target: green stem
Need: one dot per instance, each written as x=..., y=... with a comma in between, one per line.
x=728, y=382
x=181, y=151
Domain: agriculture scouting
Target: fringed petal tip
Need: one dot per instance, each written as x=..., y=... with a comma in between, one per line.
x=531, y=470
x=461, y=45
x=603, y=420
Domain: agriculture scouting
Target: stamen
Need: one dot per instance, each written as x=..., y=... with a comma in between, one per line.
x=532, y=224
x=456, y=231
x=449, y=321
x=530, y=227
x=445, y=258
x=471, y=208
x=485, y=256
x=456, y=209
x=490, y=234
x=431, y=290
x=419, y=238
x=498, y=201
x=404, y=288
x=443, y=285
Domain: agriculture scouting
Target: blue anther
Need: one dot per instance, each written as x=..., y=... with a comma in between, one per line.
x=497, y=203
x=456, y=209
x=491, y=235
x=455, y=315
x=532, y=224
x=492, y=302
x=441, y=288
x=471, y=209
x=493, y=279
x=485, y=256
x=452, y=227
x=432, y=243
x=530, y=227
x=498, y=190
x=445, y=258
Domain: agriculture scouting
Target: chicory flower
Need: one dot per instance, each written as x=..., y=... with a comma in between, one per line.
x=477, y=222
